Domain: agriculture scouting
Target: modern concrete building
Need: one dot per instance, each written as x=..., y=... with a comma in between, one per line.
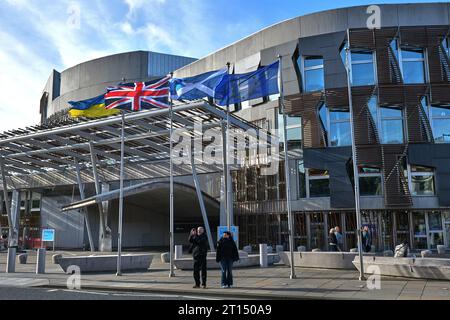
x=400, y=81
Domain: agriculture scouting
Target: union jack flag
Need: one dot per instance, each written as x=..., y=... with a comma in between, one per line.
x=139, y=95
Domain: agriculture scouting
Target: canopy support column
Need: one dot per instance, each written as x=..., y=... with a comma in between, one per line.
x=84, y=210
x=202, y=204
x=105, y=241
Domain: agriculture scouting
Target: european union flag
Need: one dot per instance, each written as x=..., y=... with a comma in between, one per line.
x=236, y=88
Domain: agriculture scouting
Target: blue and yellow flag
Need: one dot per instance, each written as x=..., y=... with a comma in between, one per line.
x=91, y=108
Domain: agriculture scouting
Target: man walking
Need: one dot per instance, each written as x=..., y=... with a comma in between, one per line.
x=199, y=248
x=227, y=254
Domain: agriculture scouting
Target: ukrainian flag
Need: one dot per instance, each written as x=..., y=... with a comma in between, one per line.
x=91, y=108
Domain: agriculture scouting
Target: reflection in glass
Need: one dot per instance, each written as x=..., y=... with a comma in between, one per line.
x=314, y=80
x=392, y=131
x=319, y=188
x=340, y=134
x=422, y=185
x=434, y=221
x=413, y=72
x=363, y=74
x=441, y=130
x=370, y=186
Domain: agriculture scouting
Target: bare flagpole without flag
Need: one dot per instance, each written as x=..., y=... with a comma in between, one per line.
x=119, y=235
x=354, y=156
x=171, y=218
x=286, y=168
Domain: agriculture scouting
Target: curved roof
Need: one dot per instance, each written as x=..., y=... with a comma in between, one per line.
x=329, y=21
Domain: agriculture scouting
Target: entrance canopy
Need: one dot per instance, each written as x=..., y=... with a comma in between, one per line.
x=47, y=156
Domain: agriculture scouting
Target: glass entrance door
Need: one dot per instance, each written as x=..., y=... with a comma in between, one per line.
x=317, y=230
x=419, y=226
x=435, y=229
x=447, y=228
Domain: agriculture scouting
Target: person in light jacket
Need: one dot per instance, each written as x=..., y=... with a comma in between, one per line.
x=227, y=254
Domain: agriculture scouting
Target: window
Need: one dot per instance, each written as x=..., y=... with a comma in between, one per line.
x=294, y=132
x=370, y=181
x=318, y=183
x=412, y=63
x=336, y=123
x=440, y=123
x=391, y=125
x=421, y=181
x=313, y=79
x=389, y=122
x=363, y=69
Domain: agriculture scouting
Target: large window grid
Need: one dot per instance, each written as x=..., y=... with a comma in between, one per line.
x=370, y=181
x=421, y=180
x=312, y=71
x=294, y=132
x=336, y=123
x=363, y=68
x=412, y=63
x=318, y=183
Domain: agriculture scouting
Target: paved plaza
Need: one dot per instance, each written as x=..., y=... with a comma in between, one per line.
x=251, y=283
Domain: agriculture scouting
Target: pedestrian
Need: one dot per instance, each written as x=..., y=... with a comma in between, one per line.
x=366, y=239
x=199, y=248
x=227, y=254
x=332, y=240
x=339, y=238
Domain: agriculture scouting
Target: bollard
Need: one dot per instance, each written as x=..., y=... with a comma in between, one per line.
x=40, y=262
x=11, y=260
x=178, y=252
x=263, y=255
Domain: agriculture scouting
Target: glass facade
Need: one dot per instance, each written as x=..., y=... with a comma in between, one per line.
x=388, y=228
x=440, y=123
x=336, y=123
x=391, y=119
x=363, y=68
x=313, y=73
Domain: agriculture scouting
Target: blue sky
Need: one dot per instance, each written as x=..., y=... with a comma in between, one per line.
x=37, y=36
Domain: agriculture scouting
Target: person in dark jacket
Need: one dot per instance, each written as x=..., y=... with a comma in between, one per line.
x=227, y=254
x=199, y=248
x=366, y=239
x=332, y=240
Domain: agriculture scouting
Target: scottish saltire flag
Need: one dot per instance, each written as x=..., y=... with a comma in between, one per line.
x=197, y=87
x=138, y=96
x=236, y=88
x=90, y=108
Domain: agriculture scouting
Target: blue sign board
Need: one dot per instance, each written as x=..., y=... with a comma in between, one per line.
x=48, y=235
x=234, y=231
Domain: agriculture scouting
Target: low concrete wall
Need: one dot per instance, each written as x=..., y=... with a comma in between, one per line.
x=325, y=260
x=106, y=263
x=245, y=260
x=421, y=268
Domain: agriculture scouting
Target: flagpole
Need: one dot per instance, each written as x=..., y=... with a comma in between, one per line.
x=355, y=161
x=119, y=238
x=171, y=222
x=286, y=170
x=229, y=199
